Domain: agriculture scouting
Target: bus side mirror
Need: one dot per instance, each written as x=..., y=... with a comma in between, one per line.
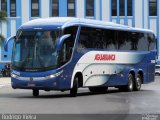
x=63, y=38
x=7, y=41
x=62, y=57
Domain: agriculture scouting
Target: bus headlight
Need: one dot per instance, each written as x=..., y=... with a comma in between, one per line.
x=14, y=75
x=54, y=75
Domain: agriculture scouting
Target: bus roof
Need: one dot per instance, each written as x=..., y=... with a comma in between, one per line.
x=63, y=22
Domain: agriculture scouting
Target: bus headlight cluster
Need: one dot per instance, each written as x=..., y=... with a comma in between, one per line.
x=36, y=78
x=14, y=75
x=54, y=75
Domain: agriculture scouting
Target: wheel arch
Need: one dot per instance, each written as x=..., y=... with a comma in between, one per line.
x=133, y=73
x=140, y=72
x=80, y=79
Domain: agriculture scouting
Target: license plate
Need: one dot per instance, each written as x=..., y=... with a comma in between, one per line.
x=31, y=85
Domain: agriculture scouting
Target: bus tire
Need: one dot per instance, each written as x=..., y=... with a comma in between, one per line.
x=98, y=89
x=35, y=93
x=130, y=85
x=74, y=89
x=138, y=83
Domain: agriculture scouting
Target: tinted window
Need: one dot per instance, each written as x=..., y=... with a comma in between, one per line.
x=55, y=7
x=122, y=7
x=89, y=7
x=135, y=41
x=97, y=39
x=85, y=38
x=134, y=38
x=110, y=40
x=144, y=41
x=153, y=7
x=114, y=7
x=71, y=7
x=35, y=8
x=124, y=42
x=13, y=8
x=4, y=5
x=129, y=8
x=151, y=41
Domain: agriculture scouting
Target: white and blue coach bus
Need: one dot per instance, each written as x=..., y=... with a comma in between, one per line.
x=69, y=53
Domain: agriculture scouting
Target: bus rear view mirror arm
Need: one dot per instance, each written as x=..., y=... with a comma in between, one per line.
x=7, y=41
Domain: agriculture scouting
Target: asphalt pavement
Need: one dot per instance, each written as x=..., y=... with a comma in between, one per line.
x=5, y=81
x=19, y=101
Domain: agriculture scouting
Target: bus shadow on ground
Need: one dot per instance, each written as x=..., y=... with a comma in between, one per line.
x=54, y=95
x=66, y=94
x=81, y=94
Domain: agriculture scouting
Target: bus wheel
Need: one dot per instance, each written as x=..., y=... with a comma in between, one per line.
x=74, y=89
x=130, y=85
x=98, y=89
x=35, y=93
x=138, y=82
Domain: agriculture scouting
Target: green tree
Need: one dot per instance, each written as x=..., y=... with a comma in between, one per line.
x=2, y=19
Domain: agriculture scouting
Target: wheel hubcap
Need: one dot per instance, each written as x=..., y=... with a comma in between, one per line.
x=130, y=83
x=138, y=82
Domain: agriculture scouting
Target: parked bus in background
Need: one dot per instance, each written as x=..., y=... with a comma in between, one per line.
x=68, y=53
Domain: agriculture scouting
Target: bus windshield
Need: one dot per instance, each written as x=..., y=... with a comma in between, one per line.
x=35, y=50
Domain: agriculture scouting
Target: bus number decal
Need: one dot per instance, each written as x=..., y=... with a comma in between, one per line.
x=104, y=57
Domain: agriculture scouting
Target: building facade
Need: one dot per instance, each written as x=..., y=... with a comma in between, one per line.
x=135, y=13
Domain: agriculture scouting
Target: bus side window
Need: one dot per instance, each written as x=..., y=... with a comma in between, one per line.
x=123, y=42
x=133, y=37
x=151, y=41
x=142, y=38
x=84, y=39
x=97, y=38
x=82, y=44
x=110, y=40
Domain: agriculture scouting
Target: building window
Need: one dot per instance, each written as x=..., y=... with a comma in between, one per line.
x=114, y=7
x=71, y=8
x=55, y=7
x=13, y=8
x=35, y=8
x=4, y=5
x=152, y=7
x=5, y=56
x=121, y=6
x=129, y=7
x=90, y=8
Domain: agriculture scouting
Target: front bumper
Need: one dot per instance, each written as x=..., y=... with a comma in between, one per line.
x=32, y=83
